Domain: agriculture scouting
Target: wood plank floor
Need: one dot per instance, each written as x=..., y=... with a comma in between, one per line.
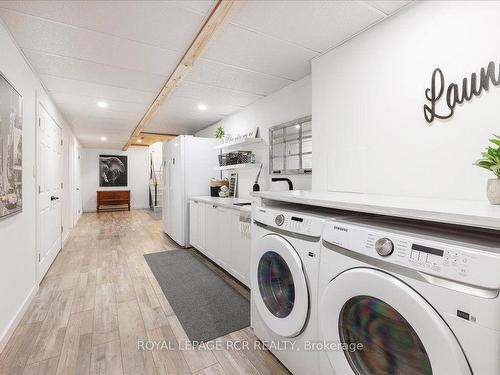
x=100, y=298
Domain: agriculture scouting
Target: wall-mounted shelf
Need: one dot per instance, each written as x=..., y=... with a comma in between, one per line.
x=237, y=166
x=239, y=142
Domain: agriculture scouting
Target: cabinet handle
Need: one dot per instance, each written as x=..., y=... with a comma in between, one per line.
x=214, y=206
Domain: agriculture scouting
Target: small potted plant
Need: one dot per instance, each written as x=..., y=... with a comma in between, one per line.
x=220, y=133
x=491, y=161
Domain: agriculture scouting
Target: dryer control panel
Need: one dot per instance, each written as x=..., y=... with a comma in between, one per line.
x=459, y=262
x=290, y=221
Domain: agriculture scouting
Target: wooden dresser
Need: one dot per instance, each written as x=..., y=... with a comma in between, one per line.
x=113, y=200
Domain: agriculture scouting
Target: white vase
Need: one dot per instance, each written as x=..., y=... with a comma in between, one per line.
x=493, y=190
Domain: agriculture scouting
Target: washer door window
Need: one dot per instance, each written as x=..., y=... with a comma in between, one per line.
x=282, y=299
x=396, y=330
x=390, y=344
x=276, y=284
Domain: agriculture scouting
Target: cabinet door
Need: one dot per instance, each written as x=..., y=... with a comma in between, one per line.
x=193, y=224
x=201, y=225
x=223, y=252
x=240, y=251
x=212, y=229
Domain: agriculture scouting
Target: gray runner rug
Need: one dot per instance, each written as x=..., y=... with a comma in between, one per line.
x=206, y=306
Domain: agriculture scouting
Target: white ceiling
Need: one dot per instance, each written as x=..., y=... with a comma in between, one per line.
x=122, y=52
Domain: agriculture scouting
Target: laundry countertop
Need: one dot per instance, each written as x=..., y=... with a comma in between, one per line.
x=479, y=214
x=224, y=202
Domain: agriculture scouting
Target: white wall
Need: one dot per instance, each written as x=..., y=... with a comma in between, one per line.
x=138, y=176
x=368, y=97
x=18, y=233
x=156, y=154
x=289, y=103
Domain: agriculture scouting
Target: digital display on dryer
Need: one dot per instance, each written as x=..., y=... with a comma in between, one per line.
x=428, y=250
x=299, y=219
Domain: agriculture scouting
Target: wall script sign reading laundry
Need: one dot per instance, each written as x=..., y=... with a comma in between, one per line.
x=456, y=95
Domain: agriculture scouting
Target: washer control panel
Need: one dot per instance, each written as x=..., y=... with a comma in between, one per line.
x=455, y=262
x=291, y=221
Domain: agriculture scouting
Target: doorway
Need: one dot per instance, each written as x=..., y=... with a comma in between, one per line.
x=49, y=185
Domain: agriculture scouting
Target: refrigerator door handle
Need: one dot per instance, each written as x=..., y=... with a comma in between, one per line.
x=169, y=176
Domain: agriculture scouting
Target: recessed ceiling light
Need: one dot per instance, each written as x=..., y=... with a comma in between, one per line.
x=202, y=107
x=102, y=104
x=139, y=141
x=104, y=139
x=297, y=126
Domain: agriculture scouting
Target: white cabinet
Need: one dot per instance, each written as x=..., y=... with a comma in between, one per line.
x=193, y=224
x=197, y=225
x=215, y=231
x=211, y=225
x=222, y=251
x=239, y=254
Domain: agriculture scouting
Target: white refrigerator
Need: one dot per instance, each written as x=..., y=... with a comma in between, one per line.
x=189, y=164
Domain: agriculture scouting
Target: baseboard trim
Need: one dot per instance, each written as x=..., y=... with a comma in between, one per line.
x=65, y=239
x=93, y=210
x=17, y=318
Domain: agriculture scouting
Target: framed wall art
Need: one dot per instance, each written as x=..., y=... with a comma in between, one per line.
x=112, y=170
x=11, y=149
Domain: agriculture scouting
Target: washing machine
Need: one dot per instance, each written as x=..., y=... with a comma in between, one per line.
x=284, y=281
x=398, y=297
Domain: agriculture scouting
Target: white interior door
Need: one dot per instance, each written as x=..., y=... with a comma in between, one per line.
x=78, y=195
x=49, y=213
x=72, y=188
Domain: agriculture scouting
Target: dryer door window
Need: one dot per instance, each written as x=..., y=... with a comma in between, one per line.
x=390, y=344
x=385, y=327
x=282, y=296
x=276, y=284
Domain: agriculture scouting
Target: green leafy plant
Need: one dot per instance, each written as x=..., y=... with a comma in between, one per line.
x=219, y=132
x=491, y=157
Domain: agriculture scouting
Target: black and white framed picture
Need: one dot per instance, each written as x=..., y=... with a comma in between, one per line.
x=112, y=170
x=11, y=149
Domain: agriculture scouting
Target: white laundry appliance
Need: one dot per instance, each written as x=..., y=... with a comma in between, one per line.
x=188, y=166
x=284, y=280
x=419, y=298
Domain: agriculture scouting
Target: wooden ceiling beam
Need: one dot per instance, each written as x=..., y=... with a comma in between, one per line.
x=215, y=20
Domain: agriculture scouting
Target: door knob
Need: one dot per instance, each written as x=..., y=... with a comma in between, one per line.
x=52, y=198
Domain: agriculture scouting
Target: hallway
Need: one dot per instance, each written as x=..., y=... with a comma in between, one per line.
x=99, y=298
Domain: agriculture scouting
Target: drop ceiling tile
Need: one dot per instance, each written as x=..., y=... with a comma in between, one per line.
x=190, y=105
x=260, y=53
x=90, y=103
x=85, y=122
x=37, y=34
x=178, y=124
x=388, y=6
x=74, y=112
x=230, y=77
x=153, y=22
x=204, y=94
x=199, y=6
x=90, y=135
x=93, y=141
x=317, y=25
x=64, y=67
x=180, y=115
x=96, y=91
